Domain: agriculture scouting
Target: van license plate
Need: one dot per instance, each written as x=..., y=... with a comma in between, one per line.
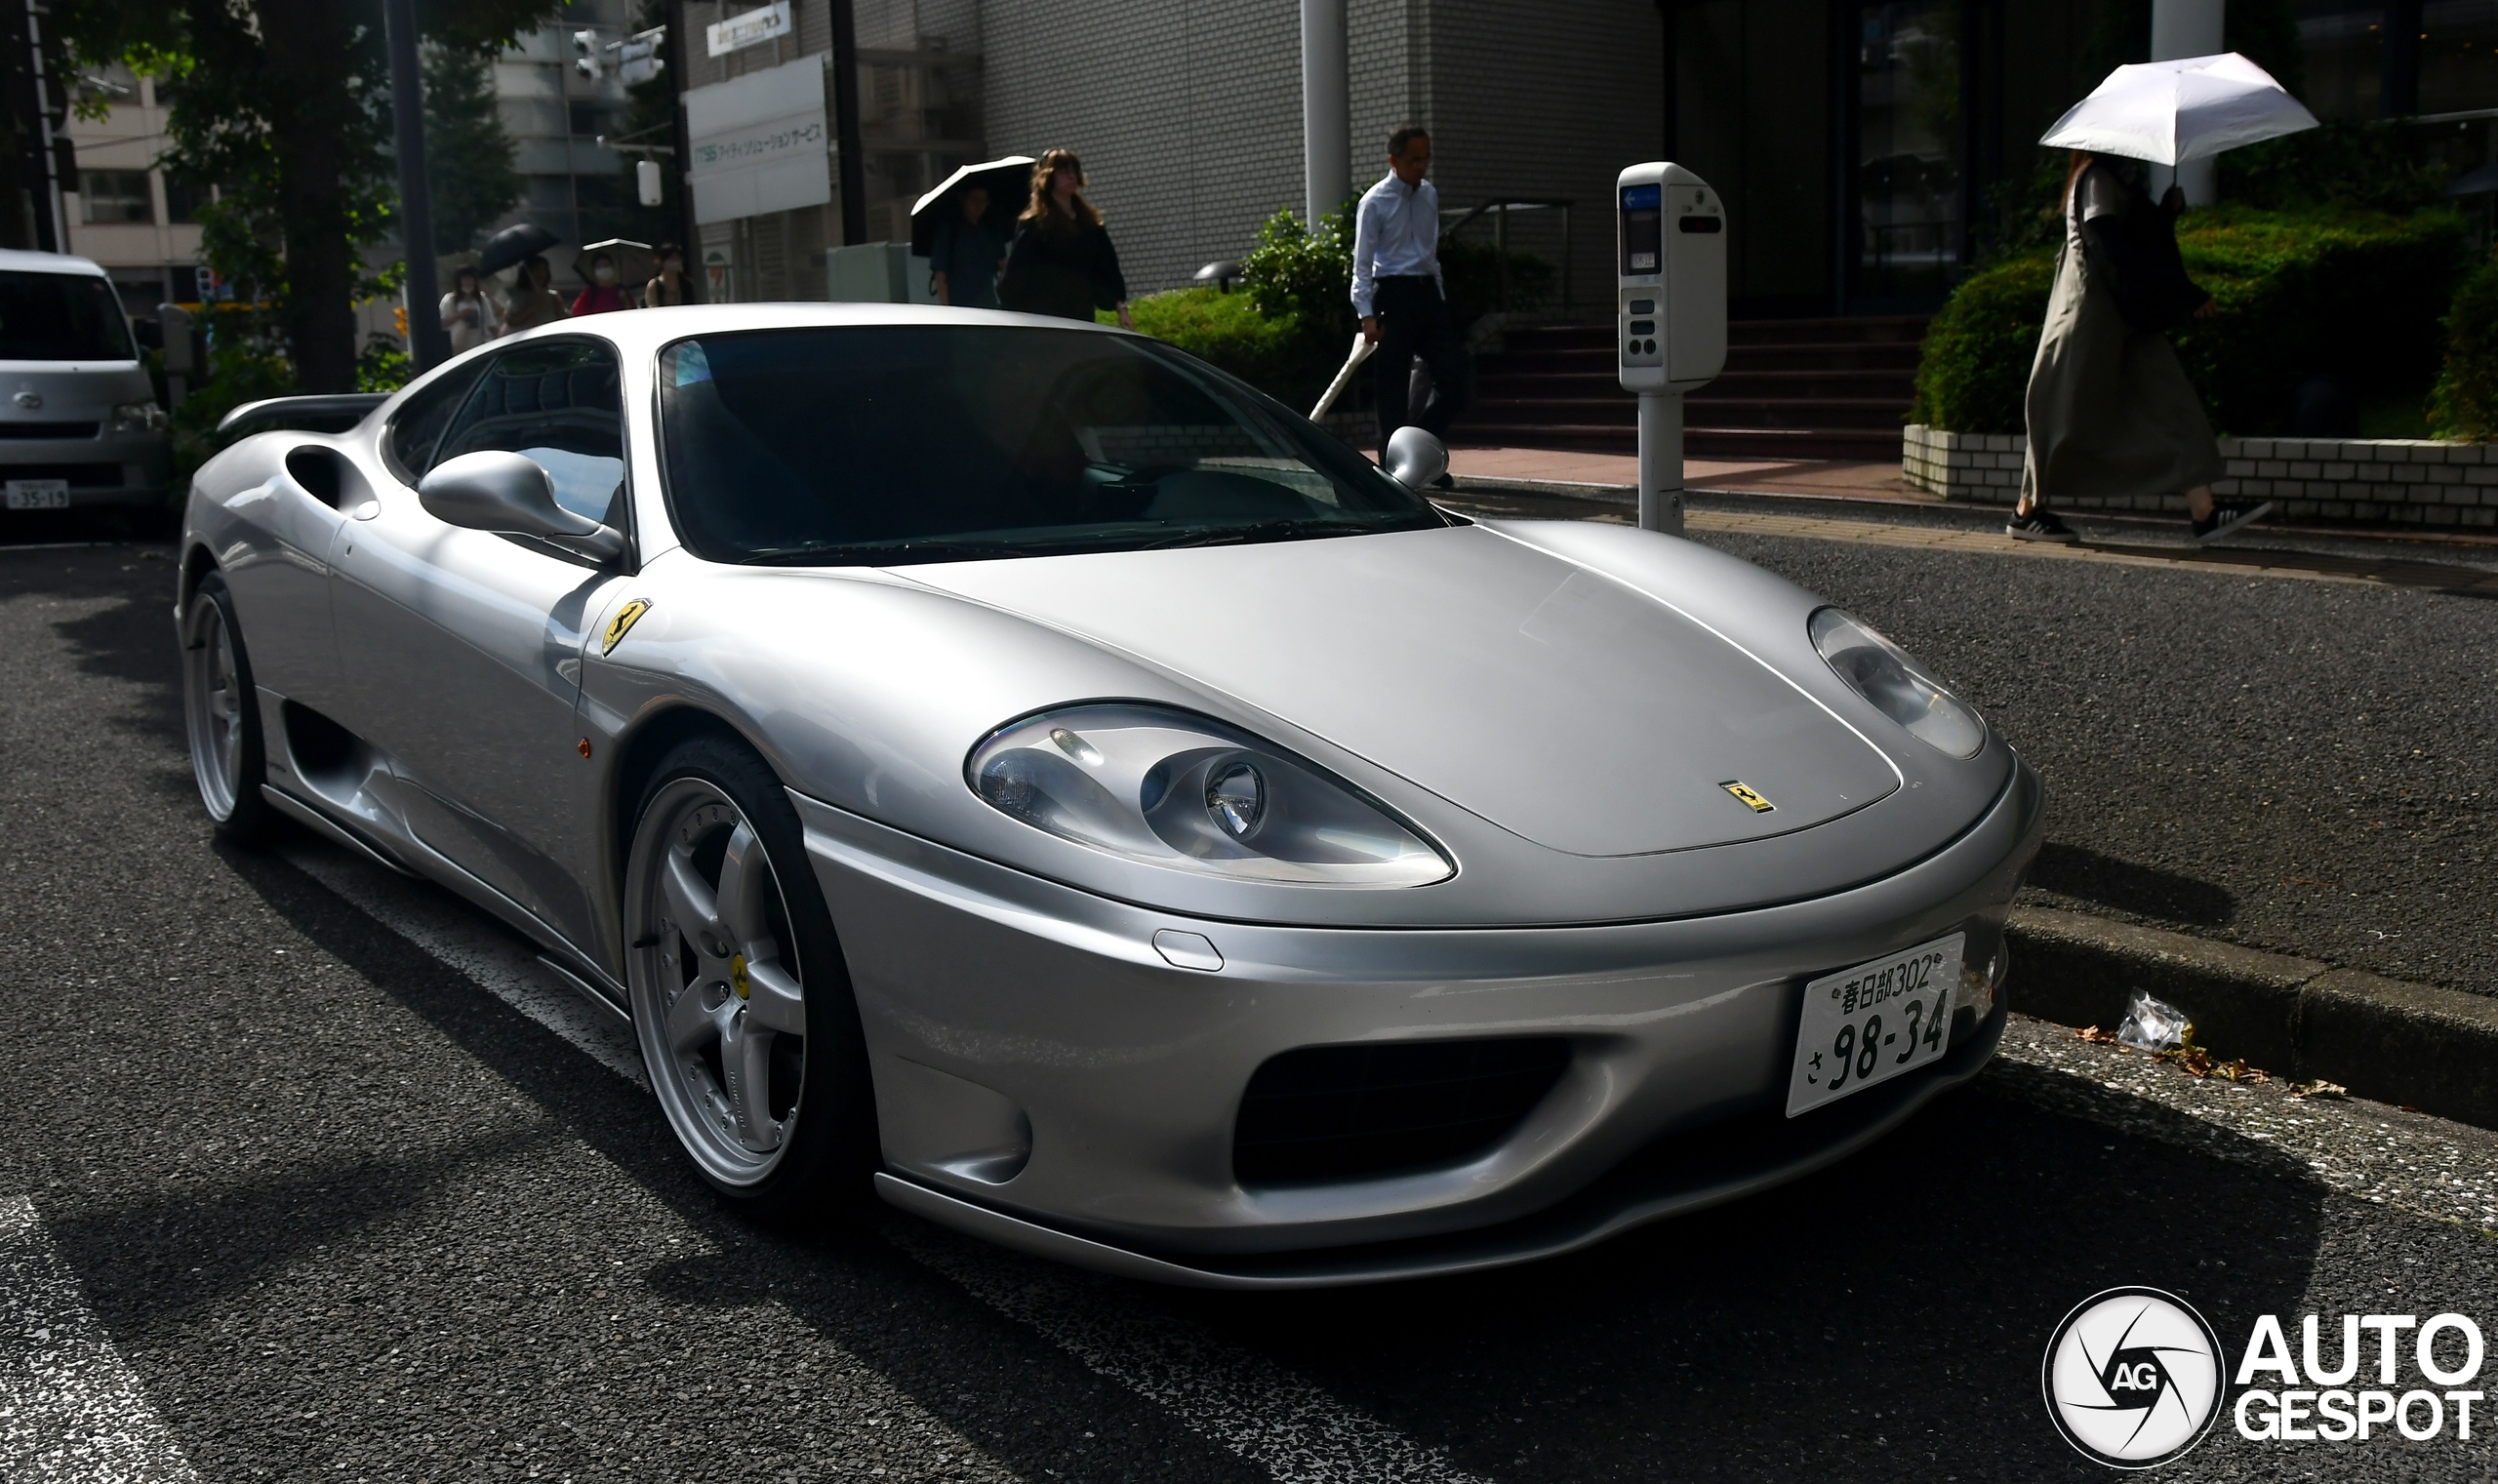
x=38, y=494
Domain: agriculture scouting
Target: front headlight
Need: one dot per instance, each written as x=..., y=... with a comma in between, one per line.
x=139, y=418
x=1175, y=789
x=1882, y=673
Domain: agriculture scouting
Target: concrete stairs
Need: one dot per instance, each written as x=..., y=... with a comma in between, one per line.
x=1797, y=388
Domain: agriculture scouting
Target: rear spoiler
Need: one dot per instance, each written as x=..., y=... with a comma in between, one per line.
x=333, y=412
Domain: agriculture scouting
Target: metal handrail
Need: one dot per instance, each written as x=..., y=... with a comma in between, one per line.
x=1499, y=211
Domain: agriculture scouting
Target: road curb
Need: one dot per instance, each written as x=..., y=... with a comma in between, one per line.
x=2413, y=1045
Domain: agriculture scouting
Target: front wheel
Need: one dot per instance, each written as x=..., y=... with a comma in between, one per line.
x=222, y=713
x=738, y=993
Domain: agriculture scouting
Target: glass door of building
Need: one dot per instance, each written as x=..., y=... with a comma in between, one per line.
x=1908, y=153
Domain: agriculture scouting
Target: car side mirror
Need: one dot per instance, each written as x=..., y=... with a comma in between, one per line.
x=1415, y=459
x=507, y=493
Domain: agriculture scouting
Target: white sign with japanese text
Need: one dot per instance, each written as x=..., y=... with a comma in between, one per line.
x=759, y=144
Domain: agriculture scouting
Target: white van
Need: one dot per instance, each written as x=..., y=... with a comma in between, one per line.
x=79, y=423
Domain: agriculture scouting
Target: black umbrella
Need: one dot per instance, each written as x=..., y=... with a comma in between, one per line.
x=1010, y=185
x=512, y=243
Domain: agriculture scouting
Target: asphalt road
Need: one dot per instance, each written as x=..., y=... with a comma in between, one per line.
x=304, y=1174
x=2295, y=765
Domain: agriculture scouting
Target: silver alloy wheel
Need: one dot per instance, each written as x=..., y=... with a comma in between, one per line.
x=212, y=705
x=716, y=984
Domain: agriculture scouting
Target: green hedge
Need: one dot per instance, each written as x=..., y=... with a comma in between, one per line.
x=1286, y=330
x=1279, y=356
x=2465, y=402
x=2357, y=293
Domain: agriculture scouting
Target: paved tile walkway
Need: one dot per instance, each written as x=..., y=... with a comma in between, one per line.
x=1566, y=472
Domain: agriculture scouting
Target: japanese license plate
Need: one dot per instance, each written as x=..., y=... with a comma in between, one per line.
x=1871, y=1023
x=37, y=494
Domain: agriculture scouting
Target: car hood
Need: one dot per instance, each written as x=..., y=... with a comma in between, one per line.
x=1553, y=700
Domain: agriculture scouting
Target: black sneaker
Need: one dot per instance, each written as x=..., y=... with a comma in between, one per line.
x=2039, y=526
x=2228, y=517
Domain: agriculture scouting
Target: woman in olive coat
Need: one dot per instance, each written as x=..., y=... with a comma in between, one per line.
x=1060, y=262
x=2112, y=417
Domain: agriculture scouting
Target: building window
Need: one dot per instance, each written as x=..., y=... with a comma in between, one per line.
x=183, y=199
x=115, y=196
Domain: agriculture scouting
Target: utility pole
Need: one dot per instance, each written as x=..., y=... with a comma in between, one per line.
x=680, y=70
x=1326, y=127
x=429, y=344
x=853, y=154
x=39, y=98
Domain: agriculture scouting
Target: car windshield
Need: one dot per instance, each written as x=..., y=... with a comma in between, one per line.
x=62, y=317
x=891, y=444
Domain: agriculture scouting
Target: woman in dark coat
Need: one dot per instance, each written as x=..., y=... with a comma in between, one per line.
x=1062, y=262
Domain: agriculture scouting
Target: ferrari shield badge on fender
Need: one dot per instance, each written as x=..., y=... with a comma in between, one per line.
x=1740, y=790
x=622, y=623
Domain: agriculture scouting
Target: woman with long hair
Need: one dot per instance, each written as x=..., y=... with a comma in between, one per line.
x=1060, y=262
x=2111, y=415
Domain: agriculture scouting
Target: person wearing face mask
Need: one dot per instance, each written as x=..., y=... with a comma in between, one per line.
x=534, y=301
x=606, y=291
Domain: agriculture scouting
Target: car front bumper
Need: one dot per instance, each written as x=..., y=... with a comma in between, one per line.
x=1048, y=1079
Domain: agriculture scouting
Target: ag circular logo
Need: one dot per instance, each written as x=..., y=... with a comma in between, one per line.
x=2133, y=1378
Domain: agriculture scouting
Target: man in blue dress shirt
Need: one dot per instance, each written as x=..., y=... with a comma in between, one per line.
x=1397, y=292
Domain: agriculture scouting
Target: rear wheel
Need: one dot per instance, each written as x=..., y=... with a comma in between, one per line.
x=222, y=713
x=738, y=992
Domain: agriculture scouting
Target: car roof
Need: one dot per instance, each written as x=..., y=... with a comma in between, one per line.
x=642, y=332
x=18, y=260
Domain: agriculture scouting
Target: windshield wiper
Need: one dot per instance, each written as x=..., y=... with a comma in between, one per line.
x=1271, y=531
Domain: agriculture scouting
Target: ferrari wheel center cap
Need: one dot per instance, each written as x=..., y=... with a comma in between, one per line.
x=737, y=975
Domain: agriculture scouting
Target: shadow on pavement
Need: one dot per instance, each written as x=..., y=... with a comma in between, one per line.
x=1883, y=1319
x=2074, y=870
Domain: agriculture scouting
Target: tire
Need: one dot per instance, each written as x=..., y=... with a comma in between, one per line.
x=222, y=715
x=740, y=996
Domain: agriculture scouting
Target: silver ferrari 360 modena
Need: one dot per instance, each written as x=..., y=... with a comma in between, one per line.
x=1016, y=768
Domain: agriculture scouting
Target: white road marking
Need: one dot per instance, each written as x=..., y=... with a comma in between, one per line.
x=70, y=1410
x=476, y=945
x=1257, y=1409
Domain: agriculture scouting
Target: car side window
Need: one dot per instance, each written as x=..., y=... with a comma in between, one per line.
x=559, y=402
x=417, y=425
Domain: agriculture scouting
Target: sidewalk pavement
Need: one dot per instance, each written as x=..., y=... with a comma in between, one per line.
x=1561, y=472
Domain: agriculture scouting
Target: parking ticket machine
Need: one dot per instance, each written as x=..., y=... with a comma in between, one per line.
x=1670, y=316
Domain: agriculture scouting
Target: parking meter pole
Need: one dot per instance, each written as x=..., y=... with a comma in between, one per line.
x=1669, y=330
x=1661, y=462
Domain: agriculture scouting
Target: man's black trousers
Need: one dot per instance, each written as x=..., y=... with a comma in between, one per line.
x=1414, y=320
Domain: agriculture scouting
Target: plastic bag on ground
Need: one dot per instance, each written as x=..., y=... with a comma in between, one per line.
x=2152, y=1025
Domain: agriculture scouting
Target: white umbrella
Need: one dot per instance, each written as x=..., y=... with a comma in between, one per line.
x=2169, y=113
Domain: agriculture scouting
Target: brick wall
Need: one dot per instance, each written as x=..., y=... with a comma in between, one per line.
x=2391, y=481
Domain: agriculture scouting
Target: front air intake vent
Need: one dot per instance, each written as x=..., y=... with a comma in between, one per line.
x=1360, y=1113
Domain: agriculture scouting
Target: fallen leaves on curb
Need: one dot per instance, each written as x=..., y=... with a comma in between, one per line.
x=2319, y=1088
x=2192, y=1059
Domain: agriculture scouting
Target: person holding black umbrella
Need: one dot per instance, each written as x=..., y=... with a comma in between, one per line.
x=1062, y=262
x=969, y=250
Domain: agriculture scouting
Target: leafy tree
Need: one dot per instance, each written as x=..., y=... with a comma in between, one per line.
x=286, y=103
x=470, y=161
